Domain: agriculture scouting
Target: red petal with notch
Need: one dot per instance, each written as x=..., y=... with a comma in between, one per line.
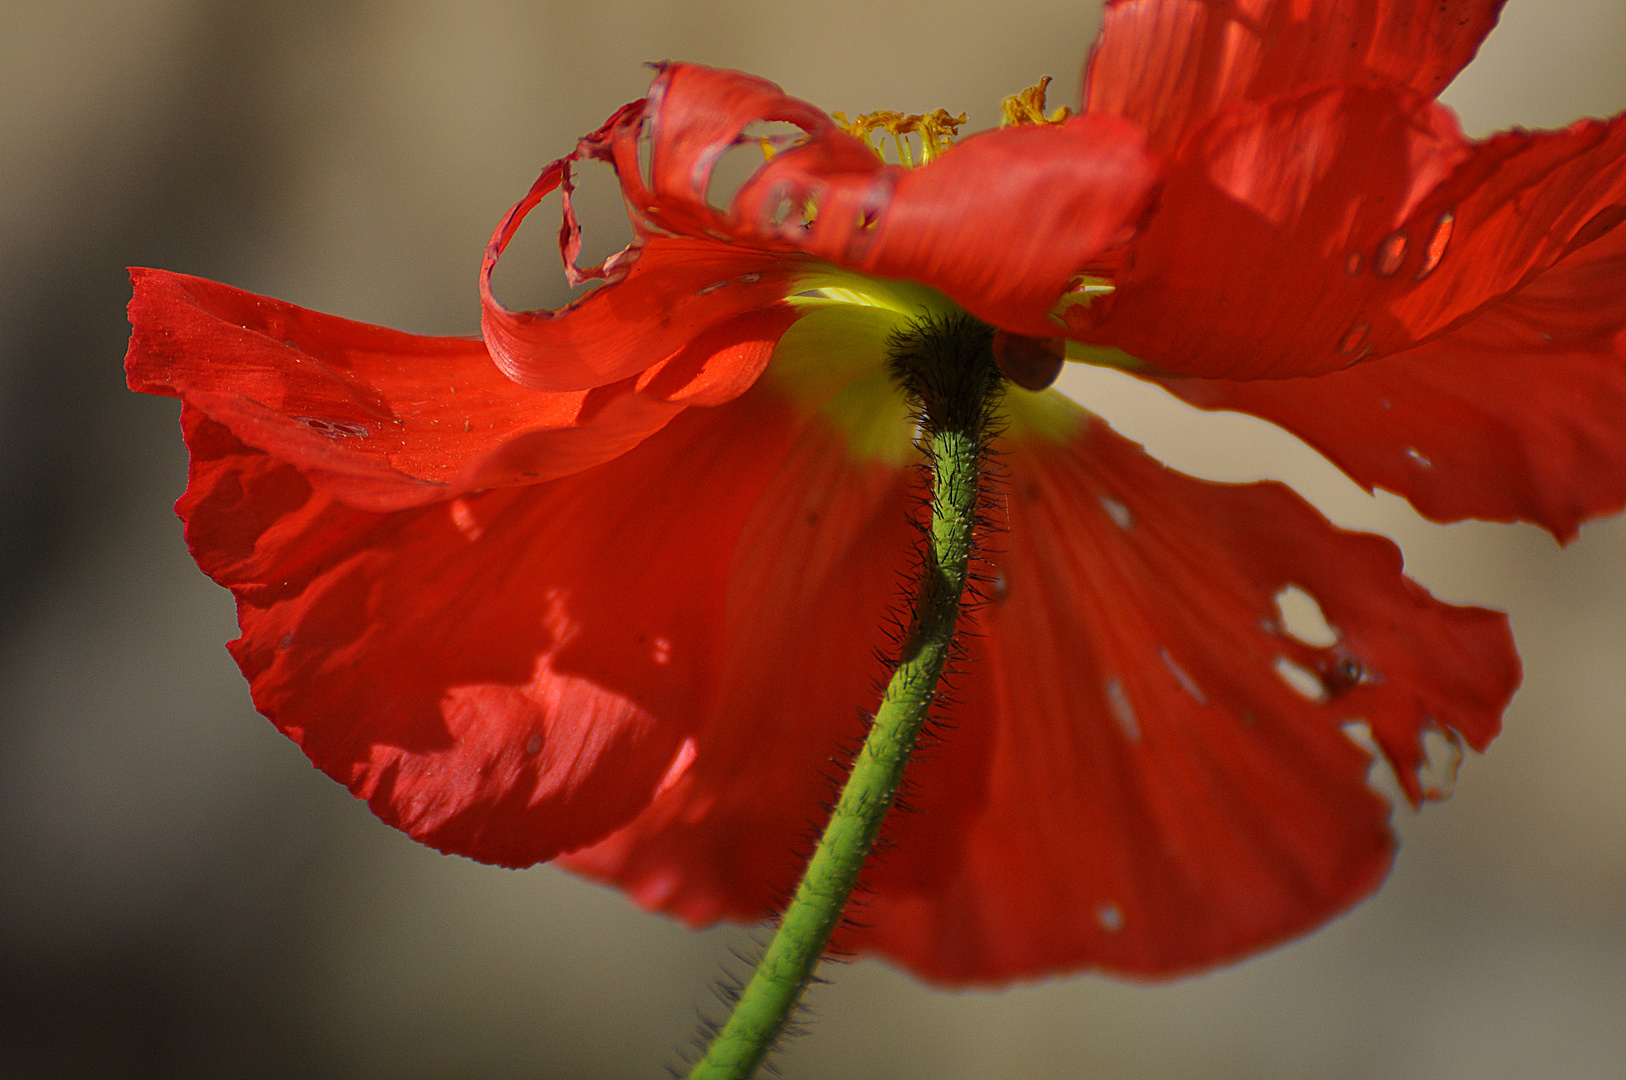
x=512, y=673
x=1169, y=65
x=1155, y=798
x=1349, y=223
x=1515, y=416
x=382, y=420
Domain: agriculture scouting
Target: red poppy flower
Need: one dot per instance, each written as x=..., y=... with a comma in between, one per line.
x=610, y=585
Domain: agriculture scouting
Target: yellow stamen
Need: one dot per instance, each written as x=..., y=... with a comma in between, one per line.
x=936, y=132
x=1027, y=107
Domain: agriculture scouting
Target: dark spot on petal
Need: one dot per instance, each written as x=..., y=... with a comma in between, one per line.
x=334, y=429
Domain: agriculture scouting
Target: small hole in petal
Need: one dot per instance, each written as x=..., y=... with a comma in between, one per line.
x=646, y=151
x=1380, y=776
x=1442, y=757
x=1118, y=512
x=1438, y=241
x=781, y=211
x=1301, y=617
x=794, y=211
x=1123, y=711
x=1391, y=253
x=749, y=152
x=810, y=209
x=1301, y=679
x=1110, y=917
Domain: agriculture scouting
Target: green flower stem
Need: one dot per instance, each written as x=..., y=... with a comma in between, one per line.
x=792, y=957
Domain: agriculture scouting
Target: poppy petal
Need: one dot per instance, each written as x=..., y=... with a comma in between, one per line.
x=1168, y=65
x=1001, y=223
x=1346, y=224
x=661, y=296
x=1168, y=782
x=1004, y=221
x=1514, y=416
x=382, y=420
x=505, y=675
x=817, y=578
x=1161, y=801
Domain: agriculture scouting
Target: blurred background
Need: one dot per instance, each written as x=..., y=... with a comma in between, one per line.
x=181, y=895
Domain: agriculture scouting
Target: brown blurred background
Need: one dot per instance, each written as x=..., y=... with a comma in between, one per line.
x=181, y=895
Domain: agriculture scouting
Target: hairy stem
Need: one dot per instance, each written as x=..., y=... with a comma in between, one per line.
x=954, y=416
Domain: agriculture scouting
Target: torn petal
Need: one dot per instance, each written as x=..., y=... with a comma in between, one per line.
x=1513, y=416
x=1001, y=223
x=1151, y=797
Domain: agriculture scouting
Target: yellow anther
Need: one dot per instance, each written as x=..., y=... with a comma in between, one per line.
x=1027, y=107
x=936, y=132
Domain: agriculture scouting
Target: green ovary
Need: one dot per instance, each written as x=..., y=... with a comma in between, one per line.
x=833, y=362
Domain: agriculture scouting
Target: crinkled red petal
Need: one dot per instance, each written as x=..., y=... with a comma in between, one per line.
x=509, y=674
x=1128, y=781
x=1514, y=416
x=1002, y=223
x=817, y=579
x=1153, y=795
x=382, y=420
x=1299, y=237
x=660, y=296
x=1169, y=65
